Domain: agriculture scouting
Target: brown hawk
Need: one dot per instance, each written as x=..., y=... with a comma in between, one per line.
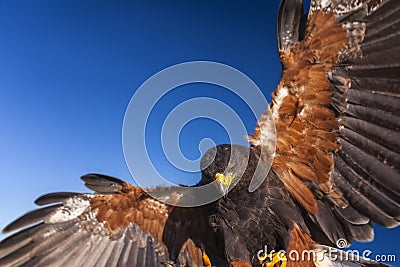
x=335, y=166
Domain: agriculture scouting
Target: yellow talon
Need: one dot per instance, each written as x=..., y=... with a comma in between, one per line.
x=206, y=259
x=276, y=258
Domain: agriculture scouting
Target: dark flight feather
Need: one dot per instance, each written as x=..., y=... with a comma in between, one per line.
x=291, y=26
x=31, y=218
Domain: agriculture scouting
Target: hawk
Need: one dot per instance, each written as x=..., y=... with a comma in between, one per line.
x=334, y=167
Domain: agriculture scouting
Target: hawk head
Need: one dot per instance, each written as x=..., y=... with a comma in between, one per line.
x=227, y=165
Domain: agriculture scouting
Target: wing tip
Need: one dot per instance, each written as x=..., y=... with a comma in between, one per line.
x=30, y=218
x=101, y=183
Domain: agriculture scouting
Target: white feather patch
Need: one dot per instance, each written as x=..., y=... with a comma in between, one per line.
x=72, y=208
x=281, y=94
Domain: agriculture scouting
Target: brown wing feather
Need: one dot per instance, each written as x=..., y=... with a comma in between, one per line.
x=300, y=108
x=125, y=224
x=117, y=211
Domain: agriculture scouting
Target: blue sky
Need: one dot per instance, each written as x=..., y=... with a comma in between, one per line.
x=69, y=68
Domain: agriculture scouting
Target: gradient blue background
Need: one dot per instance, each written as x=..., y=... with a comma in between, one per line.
x=69, y=68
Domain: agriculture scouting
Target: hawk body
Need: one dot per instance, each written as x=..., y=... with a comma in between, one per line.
x=335, y=165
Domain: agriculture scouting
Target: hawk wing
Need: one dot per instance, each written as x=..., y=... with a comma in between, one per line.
x=336, y=112
x=118, y=225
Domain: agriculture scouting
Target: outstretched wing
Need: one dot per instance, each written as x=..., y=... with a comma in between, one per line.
x=336, y=112
x=118, y=225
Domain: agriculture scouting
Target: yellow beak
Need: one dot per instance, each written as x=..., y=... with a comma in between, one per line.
x=224, y=182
